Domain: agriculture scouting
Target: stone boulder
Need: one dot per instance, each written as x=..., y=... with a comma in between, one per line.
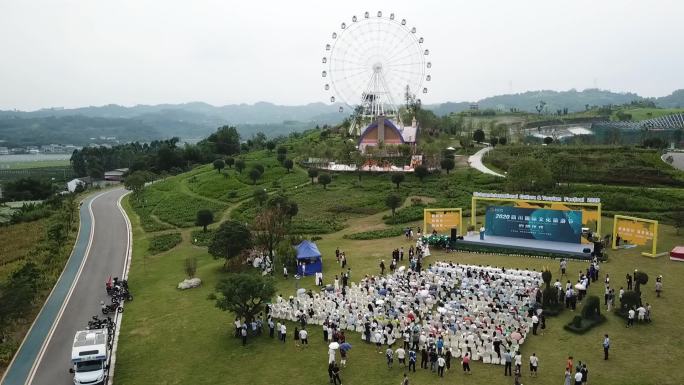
x=190, y=283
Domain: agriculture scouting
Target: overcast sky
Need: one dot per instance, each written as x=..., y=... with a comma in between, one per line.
x=94, y=52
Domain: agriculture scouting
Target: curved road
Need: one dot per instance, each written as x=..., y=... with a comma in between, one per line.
x=102, y=249
x=678, y=159
x=475, y=161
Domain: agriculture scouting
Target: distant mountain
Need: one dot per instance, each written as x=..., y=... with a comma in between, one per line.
x=197, y=119
x=188, y=121
x=674, y=100
x=573, y=100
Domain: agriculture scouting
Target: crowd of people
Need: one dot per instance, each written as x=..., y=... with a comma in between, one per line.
x=440, y=314
x=444, y=312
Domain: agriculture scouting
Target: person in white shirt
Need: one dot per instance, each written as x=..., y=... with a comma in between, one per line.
x=285, y=272
x=304, y=337
x=535, y=324
x=401, y=356
x=642, y=312
x=630, y=317
x=441, y=362
x=518, y=360
x=534, y=364
x=283, y=332
x=578, y=378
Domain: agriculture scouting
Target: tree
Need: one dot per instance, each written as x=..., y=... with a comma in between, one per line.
x=313, y=173
x=219, y=164
x=282, y=150
x=230, y=161
x=135, y=182
x=204, y=218
x=226, y=141
x=503, y=140
x=493, y=141
x=26, y=189
x=540, y=107
x=479, y=135
x=397, y=178
x=448, y=164
x=270, y=145
x=259, y=167
x=325, y=180
x=244, y=294
x=281, y=158
x=190, y=266
x=260, y=196
x=548, y=140
x=393, y=201
x=528, y=175
x=273, y=222
x=57, y=234
x=239, y=165
x=254, y=175
x=421, y=172
x=230, y=240
x=288, y=164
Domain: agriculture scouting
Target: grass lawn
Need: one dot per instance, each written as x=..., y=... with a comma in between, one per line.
x=178, y=337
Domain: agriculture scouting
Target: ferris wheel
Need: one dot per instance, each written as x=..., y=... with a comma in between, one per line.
x=373, y=63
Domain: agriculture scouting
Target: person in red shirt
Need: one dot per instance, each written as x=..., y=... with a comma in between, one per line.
x=466, y=364
x=569, y=366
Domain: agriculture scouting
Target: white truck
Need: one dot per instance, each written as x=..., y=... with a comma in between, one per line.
x=90, y=357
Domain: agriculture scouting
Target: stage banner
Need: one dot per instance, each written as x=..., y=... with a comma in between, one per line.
x=534, y=223
x=635, y=231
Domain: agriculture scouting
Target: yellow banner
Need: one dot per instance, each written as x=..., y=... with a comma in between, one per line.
x=635, y=232
x=441, y=220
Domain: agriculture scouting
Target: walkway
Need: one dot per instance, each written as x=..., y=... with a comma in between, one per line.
x=678, y=159
x=475, y=161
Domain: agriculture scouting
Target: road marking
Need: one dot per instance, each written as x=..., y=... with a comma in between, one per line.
x=126, y=267
x=46, y=342
x=80, y=225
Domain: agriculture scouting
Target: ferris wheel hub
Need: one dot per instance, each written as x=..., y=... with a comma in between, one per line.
x=377, y=67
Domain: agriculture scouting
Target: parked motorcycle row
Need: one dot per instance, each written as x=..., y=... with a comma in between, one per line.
x=118, y=291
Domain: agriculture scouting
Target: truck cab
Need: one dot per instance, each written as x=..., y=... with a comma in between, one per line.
x=89, y=356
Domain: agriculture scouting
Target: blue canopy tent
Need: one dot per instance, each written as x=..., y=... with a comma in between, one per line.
x=308, y=258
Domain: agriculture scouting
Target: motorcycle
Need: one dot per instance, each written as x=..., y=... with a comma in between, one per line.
x=114, y=307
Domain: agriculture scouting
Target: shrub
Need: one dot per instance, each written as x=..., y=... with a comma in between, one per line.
x=640, y=278
x=581, y=325
x=164, y=242
x=405, y=215
x=376, y=234
x=592, y=308
x=546, y=277
x=549, y=297
x=629, y=299
x=577, y=321
x=202, y=238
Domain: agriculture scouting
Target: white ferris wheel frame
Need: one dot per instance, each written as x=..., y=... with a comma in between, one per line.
x=359, y=51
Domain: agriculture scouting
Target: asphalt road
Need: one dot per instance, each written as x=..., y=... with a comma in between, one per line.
x=38, y=363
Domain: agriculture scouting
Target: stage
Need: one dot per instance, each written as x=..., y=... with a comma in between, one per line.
x=571, y=250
